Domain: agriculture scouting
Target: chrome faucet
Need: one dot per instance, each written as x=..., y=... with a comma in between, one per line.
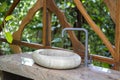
x=86, y=41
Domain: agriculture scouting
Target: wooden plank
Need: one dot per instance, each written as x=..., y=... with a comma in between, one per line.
x=12, y=63
x=117, y=35
x=24, y=43
x=46, y=25
x=95, y=27
x=103, y=59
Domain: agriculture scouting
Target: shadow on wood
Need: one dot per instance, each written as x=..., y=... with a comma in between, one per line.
x=10, y=76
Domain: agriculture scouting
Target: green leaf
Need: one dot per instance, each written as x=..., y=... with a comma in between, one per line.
x=0, y=22
x=9, y=17
x=9, y=37
x=3, y=7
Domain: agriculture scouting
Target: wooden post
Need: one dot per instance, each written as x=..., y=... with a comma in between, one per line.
x=117, y=36
x=46, y=25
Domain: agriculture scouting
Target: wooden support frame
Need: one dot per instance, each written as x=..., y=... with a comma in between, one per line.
x=49, y=6
x=77, y=45
x=46, y=25
x=117, y=36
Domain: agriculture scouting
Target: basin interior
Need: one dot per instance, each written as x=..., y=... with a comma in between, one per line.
x=56, y=53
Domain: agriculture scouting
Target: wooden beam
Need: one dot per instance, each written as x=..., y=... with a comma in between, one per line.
x=46, y=25
x=117, y=35
x=24, y=43
x=103, y=59
x=95, y=27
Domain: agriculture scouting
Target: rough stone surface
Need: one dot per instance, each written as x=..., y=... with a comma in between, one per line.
x=56, y=59
x=19, y=64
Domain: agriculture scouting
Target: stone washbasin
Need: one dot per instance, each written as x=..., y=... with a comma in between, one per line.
x=56, y=59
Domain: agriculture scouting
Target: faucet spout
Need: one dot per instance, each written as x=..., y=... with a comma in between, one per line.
x=86, y=41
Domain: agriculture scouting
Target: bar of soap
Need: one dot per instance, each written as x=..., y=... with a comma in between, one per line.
x=56, y=59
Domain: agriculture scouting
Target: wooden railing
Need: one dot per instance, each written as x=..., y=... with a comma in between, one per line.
x=49, y=7
x=39, y=46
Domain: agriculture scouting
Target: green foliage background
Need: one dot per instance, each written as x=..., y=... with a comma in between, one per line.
x=33, y=31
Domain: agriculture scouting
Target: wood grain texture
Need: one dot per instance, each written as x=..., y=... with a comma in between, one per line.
x=103, y=59
x=46, y=25
x=12, y=63
x=95, y=27
x=117, y=36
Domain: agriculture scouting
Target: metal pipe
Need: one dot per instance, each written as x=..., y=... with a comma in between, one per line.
x=86, y=41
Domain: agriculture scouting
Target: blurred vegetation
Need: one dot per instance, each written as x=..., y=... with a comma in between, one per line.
x=33, y=31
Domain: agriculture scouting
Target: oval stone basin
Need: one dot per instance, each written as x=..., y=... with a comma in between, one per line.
x=56, y=59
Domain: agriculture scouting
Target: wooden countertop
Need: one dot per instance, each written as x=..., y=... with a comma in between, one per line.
x=23, y=65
